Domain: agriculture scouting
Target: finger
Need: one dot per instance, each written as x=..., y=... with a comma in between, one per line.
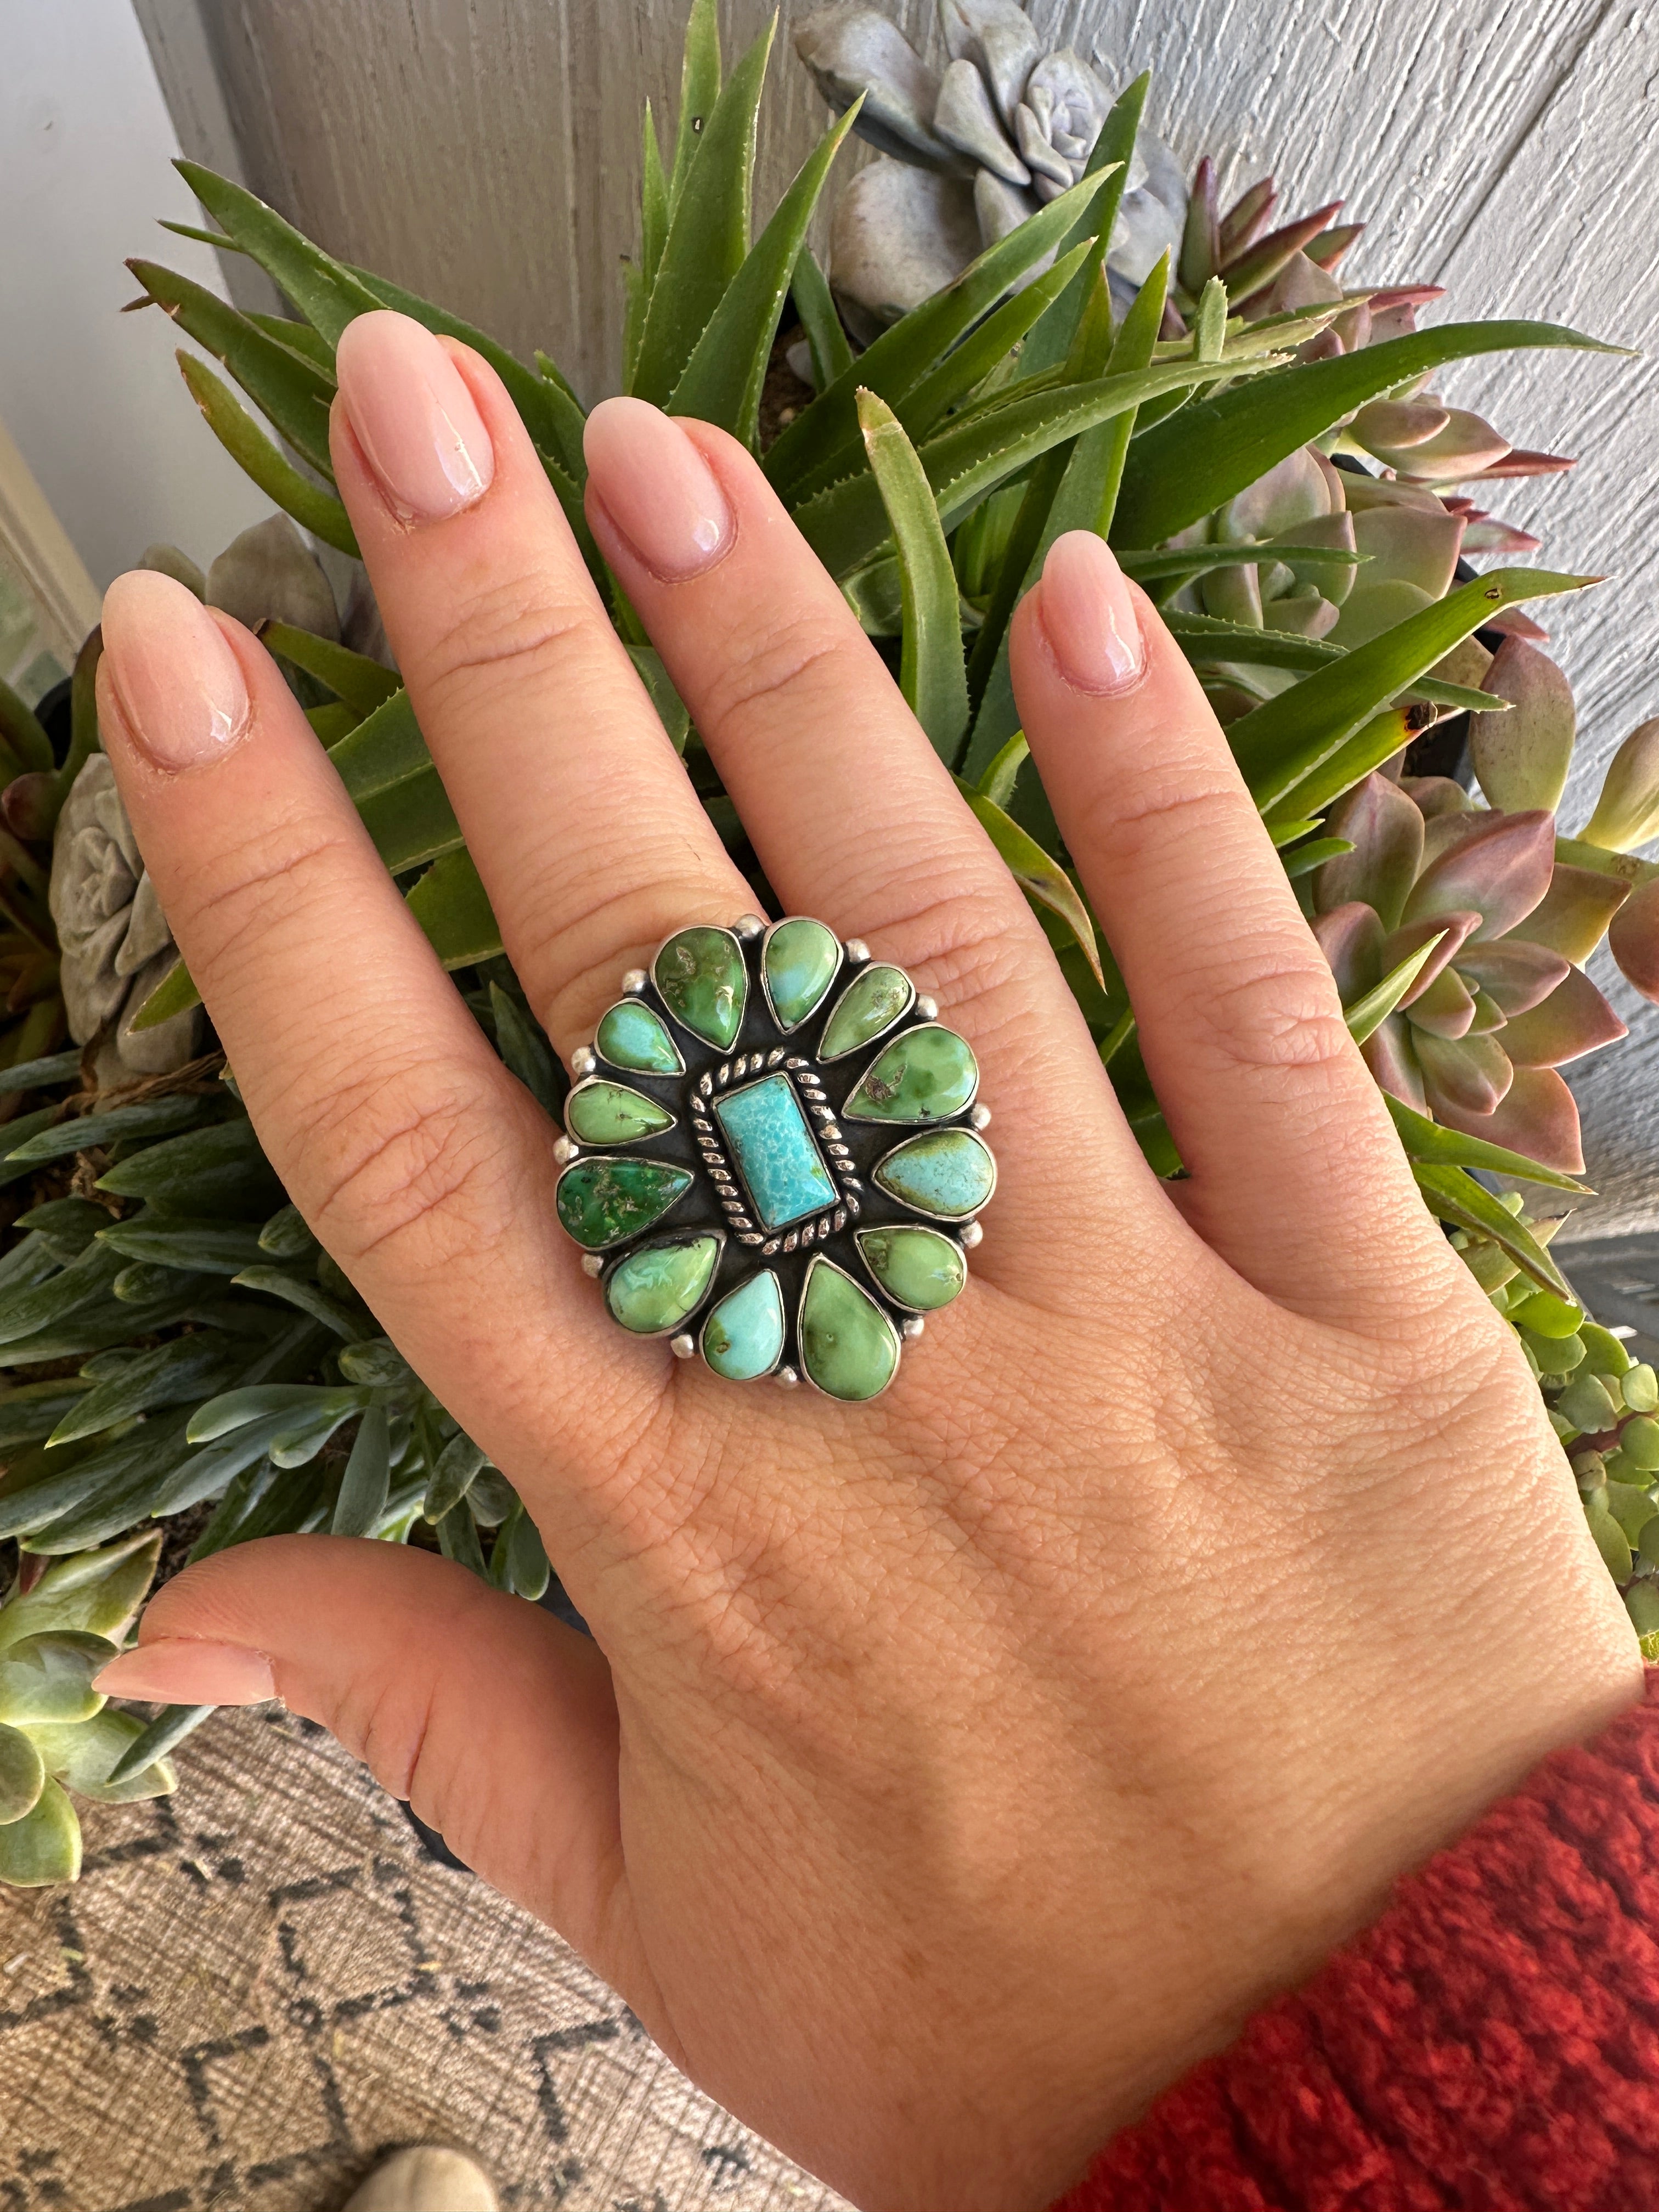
x=424, y=1168
x=852, y=813
x=1295, y=1164
x=494, y=1721
x=589, y=838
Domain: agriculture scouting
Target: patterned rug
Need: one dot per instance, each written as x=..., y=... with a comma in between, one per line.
x=259, y=1985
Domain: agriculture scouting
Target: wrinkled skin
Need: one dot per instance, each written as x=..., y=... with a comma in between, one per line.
x=946, y=1774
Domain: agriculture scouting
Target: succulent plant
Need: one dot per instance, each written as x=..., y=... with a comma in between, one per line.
x=1222, y=425
x=60, y=1623
x=969, y=155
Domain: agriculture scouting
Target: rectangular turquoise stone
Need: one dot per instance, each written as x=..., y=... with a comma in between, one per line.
x=772, y=1144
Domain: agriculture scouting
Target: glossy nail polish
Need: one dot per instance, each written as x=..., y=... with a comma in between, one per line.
x=656, y=487
x=184, y=1670
x=176, y=683
x=1088, y=614
x=417, y=424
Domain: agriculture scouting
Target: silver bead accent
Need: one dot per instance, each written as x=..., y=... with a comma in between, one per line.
x=969, y=1234
x=684, y=1346
x=981, y=1117
x=592, y=1263
x=634, y=982
x=583, y=1062
x=857, y=950
x=786, y=1378
x=748, y=924
x=564, y=1151
x=927, y=1008
x=912, y=1326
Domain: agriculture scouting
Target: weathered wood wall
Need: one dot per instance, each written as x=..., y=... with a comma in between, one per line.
x=486, y=151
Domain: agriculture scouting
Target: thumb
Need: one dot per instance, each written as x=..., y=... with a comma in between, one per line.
x=494, y=1720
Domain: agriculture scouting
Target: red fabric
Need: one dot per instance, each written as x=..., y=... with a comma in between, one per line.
x=1491, y=2046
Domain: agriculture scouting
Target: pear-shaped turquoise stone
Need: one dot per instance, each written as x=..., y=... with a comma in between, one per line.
x=927, y=1075
x=945, y=1172
x=601, y=1113
x=800, y=964
x=916, y=1267
x=601, y=1202
x=704, y=983
x=653, y=1290
x=849, y=1346
x=743, y=1337
x=633, y=1036
x=872, y=1002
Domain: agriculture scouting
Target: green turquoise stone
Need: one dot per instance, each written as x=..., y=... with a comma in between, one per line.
x=602, y=1203
x=916, y=1267
x=633, y=1035
x=927, y=1075
x=800, y=963
x=653, y=1290
x=945, y=1172
x=872, y=1002
x=743, y=1337
x=601, y=1113
x=704, y=983
x=849, y=1346
x=781, y=1164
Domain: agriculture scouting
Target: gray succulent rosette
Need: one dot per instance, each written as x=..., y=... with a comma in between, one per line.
x=969, y=153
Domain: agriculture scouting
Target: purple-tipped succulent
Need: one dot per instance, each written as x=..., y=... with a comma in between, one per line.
x=1499, y=1006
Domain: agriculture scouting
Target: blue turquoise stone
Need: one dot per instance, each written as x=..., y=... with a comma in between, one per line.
x=633, y=1035
x=743, y=1338
x=947, y=1173
x=781, y=1164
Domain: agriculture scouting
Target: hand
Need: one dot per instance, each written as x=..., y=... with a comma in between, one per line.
x=946, y=1774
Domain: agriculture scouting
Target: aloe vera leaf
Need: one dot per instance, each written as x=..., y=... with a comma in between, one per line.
x=525, y=1049
x=721, y=382
x=931, y=673
x=998, y=781
x=708, y=229
x=411, y=820
x=653, y=198
x=844, y=525
x=1038, y=874
x=967, y=366
x=362, y=683
x=123, y=1495
x=311, y=507
x=671, y=710
x=292, y=396
x=823, y=439
x=386, y=748
x=149, y=1118
x=700, y=89
x=1372, y=744
x=30, y=1411
x=1278, y=744
x=451, y=906
x=41, y=1486
x=1183, y=469
x=214, y=1171
x=1369, y=1012
x=1456, y=1199
x=299, y=337
x=298, y=1291
x=832, y=354
x=40, y=1074
x=201, y=1247
x=326, y=293
x=1428, y=1145
x=1186, y=561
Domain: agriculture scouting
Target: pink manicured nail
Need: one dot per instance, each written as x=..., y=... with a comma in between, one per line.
x=1088, y=614
x=418, y=426
x=656, y=487
x=181, y=1670
x=176, y=681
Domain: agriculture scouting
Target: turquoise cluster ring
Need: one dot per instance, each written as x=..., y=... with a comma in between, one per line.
x=773, y=1156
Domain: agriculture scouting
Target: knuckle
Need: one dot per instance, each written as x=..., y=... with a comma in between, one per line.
x=241, y=889
x=406, y=1168
x=505, y=635
x=801, y=657
x=1166, y=809
x=1269, y=1008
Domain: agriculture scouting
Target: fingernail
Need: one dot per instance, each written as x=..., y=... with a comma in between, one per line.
x=417, y=423
x=657, y=488
x=182, y=1670
x=1088, y=614
x=176, y=681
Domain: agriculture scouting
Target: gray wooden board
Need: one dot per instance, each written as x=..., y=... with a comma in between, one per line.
x=487, y=152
